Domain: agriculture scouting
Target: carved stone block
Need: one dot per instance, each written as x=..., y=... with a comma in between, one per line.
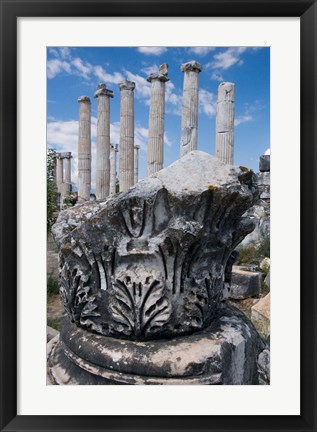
x=150, y=263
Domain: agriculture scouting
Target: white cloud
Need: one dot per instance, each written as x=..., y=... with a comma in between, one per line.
x=102, y=75
x=147, y=70
x=152, y=50
x=207, y=102
x=225, y=59
x=82, y=68
x=242, y=119
x=64, y=51
x=217, y=76
x=56, y=66
x=201, y=51
x=77, y=66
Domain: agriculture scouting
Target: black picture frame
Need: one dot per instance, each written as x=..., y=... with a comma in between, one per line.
x=10, y=11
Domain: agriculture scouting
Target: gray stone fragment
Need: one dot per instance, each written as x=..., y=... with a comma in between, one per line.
x=264, y=164
x=267, y=280
x=244, y=284
x=50, y=333
x=264, y=367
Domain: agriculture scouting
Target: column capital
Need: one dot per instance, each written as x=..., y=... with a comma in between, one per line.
x=226, y=92
x=157, y=76
x=115, y=147
x=161, y=75
x=84, y=99
x=193, y=66
x=127, y=85
x=103, y=91
x=66, y=155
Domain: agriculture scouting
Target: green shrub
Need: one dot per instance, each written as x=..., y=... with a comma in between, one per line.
x=252, y=254
x=52, y=285
x=54, y=323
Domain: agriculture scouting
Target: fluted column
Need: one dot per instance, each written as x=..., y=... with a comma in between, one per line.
x=136, y=163
x=84, y=149
x=113, y=168
x=155, y=152
x=103, y=142
x=225, y=122
x=126, y=176
x=67, y=179
x=60, y=174
x=190, y=107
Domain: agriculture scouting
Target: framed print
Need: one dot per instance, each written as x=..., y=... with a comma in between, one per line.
x=145, y=274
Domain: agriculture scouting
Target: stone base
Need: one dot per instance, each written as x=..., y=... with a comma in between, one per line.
x=225, y=353
x=260, y=316
x=244, y=284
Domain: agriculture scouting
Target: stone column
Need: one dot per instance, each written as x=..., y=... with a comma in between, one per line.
x=103, y=142
x=67, y=179
x=113, y=168
x=190, y=107
x=126, y=177
x=55, y=169
x=155, y=155
x=84, y=149
x=225, y=122
x=60, y=173
x=136, y=163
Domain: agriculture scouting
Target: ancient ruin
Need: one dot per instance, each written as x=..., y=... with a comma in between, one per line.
x=62, y=176
x=113, y=168
x=190, y=107
x=136, y=163
x=155, y=156
x=84, y=149
x=225, y=122
x=103, y=142
x=126, y=177
x=146, y=267
x=147, y=276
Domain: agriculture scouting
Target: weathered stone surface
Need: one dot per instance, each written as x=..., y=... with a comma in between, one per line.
x=190, y=99
x=264, y=164
x=260, y=316
x=126, y=147
x=264, y=367
x=50, y=333
x=267, y=280
x=103, y=141
x=260, y=213
x=244, y=283
x=225, y=122
x=155, y=151
x=149, y=263
x=84, y=149
x=226, y=352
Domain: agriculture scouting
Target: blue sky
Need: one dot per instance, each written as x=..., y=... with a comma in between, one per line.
x=76, y=71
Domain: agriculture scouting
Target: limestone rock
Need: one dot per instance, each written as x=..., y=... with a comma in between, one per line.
x=260, y=316
x=267, y=280
x=264, y=367
x=150, y=262
x=244, y=283
x=50, y=333
x=264, y=164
